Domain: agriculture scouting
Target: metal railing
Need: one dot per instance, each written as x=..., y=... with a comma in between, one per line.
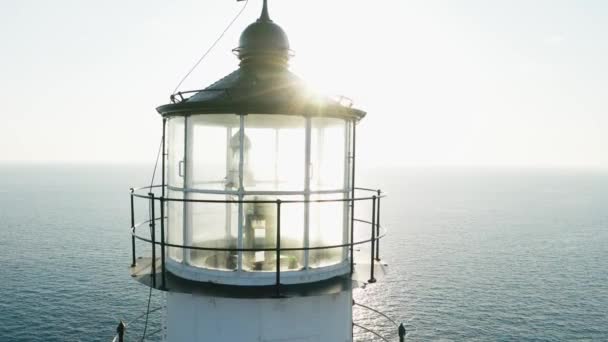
x=376, y=230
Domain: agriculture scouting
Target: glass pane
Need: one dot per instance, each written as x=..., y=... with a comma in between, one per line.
x=211, y=153
x=260, y=231
x=327, y=153
x=175, y=151
x=213, y=225
x=274, y=153
x=327, y=226
x=175, y=228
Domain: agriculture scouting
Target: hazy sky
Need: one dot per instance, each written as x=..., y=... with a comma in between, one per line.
x=443, y=82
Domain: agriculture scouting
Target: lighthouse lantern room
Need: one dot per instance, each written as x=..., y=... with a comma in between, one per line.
x=253, y=229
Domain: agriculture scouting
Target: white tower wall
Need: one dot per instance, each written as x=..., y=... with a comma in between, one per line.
x=196, y=318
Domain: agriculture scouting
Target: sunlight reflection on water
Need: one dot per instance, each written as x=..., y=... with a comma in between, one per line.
x=473, y=254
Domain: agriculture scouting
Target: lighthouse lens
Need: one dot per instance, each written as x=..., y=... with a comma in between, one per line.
x=175, y=151
x=277, y=152
x=211, y=155
x=212, y=225
x=328, y=151
x=175, y=225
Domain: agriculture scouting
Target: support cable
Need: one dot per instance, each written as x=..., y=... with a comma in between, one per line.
x=210, y=48
x=371, y=331
x=379, y=313
x=143, y=336
x=156, y=164
x=153, y=246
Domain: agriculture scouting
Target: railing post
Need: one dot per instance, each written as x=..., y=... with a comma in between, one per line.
x=164, y=155
x=120, y=330
x=352, y=202
x=133, y=261
x=373, y=241
x=278, y=245
x=378, y=227
x=352, y=236
x=153, y=237
x=401, y=333
x=163, y=285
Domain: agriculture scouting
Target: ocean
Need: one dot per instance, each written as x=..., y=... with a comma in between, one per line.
x=473, y=254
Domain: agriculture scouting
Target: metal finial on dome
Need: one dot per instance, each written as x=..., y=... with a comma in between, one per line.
x=265, y=16
x=264, y=42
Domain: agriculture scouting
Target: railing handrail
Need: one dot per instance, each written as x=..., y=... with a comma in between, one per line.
x=269, y=249
x=266, y=201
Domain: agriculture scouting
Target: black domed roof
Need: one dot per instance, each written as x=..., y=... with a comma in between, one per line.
x=263, y=38
x=264, y=35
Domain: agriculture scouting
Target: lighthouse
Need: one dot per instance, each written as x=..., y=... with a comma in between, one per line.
x=253, y=231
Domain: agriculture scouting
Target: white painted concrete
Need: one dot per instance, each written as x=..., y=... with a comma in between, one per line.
x=196, y=318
